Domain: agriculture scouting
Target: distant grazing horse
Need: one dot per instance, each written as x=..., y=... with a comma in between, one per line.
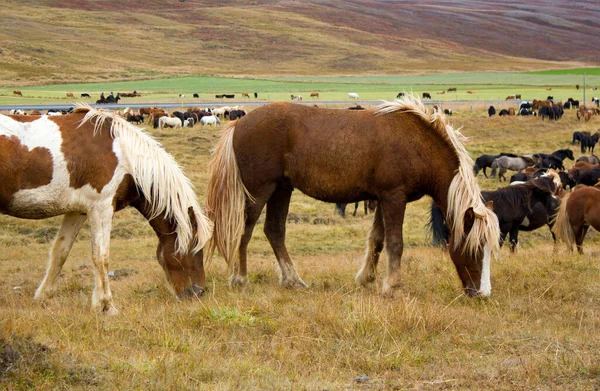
x=236, y=114
x=579, y=210
x=578, y=136
x=400, y=95
x=588, y=143
x=280, y=147
x=448, y=112
x=88, y=165
x=517, y=206
x=370, y=206
x=210, y=120
x=169, y=122
x=554, y=159
x=521, y=207
x=485, y=161
x=505, y=163
x=314, y=94
x=503, y=112
x=85, y=95
x=295, y=97
x=353, y=95
x=245, y=95
x=17, y=92
x=426, y=95
x=491, y=111
x=70, y=95
x=452, y=89
x=592, y=159
x=196, y=95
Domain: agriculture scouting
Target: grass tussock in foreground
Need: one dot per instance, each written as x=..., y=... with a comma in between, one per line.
x=539, y=329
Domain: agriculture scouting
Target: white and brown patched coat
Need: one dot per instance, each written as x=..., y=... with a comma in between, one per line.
x=87, y=165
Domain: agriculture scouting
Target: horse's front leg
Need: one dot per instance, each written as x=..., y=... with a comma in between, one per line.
x=366, y=274
x=393, y=207
x=71, y=225
x=100, y=225
x=513, y=238
x=579, y=236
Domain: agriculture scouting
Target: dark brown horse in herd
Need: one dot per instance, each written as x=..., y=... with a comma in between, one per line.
x=404, y=151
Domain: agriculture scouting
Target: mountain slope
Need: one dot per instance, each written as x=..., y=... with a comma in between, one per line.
x=85, y=40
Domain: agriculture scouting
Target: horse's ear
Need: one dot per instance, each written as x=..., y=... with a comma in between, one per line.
x=490, y=205
x=469, y=219
x=192, y=216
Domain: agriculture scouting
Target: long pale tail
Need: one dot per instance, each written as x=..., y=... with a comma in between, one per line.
x=562, y=227
x=226, y=200
x=494, y=168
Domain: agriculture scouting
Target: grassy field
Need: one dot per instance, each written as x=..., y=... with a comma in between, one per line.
x=539, y=329
x=483, y=86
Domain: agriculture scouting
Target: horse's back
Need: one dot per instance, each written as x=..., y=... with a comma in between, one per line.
x=327, y=152
x=52, y=164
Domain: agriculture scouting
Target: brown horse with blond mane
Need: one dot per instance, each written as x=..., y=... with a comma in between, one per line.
x=395, y=153
x=578, y=211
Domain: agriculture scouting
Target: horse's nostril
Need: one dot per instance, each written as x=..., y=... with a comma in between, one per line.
x=193, y=291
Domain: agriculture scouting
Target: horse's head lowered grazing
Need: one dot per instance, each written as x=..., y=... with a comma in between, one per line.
x=88, y=165
x=395, y=154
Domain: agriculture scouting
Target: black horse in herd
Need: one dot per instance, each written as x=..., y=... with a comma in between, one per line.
x=522, y=207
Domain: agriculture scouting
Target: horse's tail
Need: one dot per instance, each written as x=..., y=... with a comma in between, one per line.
x=437, y=227
x=159, y=178
x=562, y=226
x=226, y=200
x=494, y=168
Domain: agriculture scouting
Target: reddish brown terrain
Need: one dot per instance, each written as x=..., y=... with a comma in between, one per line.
x=61, y=40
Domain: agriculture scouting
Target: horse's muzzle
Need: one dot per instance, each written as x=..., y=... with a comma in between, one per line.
x=471, y=291
x=193, y=291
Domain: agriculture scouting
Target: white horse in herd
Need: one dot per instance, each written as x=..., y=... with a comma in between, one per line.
x=169, y=122
x=210, y=120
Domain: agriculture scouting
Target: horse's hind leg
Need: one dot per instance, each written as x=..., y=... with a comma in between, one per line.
x=100, y=226
x=366, y=274
x=579, y=236
x=277, y=211
x=71, y=225
x=239, y=276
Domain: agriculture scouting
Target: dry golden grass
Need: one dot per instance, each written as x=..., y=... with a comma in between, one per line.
x=539, y=329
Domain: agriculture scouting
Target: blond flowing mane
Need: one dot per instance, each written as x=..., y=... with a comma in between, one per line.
x=464, y=191
x=158, y=176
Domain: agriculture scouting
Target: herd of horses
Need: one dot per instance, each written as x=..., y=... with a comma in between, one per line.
x=259, y=160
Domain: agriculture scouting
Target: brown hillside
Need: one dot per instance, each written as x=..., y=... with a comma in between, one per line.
x=86, y=40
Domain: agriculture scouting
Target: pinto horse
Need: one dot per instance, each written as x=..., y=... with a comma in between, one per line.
x=280, y=147
x=88, y=165
x=578, y=211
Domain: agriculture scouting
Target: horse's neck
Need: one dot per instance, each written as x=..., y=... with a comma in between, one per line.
x=161, y=225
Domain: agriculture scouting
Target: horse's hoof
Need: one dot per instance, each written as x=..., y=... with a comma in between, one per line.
x=472, y=292
x=111, y=311
x=194, y=291
x=238, y=281
x=364, y=281
x=294, y=284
